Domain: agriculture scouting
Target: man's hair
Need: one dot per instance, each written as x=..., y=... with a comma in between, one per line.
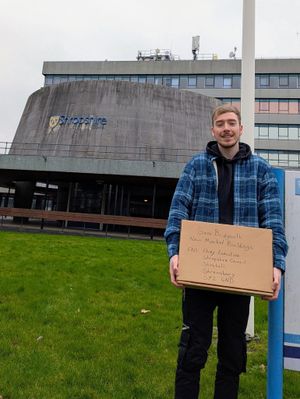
x=222, y=109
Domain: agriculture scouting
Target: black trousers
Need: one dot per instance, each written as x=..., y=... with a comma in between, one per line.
x=198, y=307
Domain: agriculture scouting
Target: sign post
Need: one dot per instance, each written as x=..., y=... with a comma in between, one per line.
x=275, y=337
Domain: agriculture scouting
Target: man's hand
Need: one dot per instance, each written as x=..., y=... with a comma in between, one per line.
x=276, y=285
x=174, y=264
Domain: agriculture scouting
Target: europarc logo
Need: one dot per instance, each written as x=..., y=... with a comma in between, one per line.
x=92, y=121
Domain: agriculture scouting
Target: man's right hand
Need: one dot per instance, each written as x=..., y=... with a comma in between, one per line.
x=174, y=265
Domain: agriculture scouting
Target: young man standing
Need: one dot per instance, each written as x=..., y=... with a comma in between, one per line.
x=225, y=184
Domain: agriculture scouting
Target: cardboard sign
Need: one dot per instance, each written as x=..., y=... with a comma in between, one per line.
x=228, y=258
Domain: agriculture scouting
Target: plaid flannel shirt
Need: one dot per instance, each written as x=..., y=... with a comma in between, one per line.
x=256, y=200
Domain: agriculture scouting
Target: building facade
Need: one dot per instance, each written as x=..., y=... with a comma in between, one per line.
x=104, y=147
x=277, y=92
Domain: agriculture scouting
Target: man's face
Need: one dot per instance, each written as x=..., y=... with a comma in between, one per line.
x=227, y=130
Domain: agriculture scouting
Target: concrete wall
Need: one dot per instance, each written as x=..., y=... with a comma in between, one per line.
x=141, y=118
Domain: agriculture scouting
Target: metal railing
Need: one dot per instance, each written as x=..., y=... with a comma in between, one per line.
x=132, y=153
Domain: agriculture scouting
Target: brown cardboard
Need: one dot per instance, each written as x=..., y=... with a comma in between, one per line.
x=228, y=258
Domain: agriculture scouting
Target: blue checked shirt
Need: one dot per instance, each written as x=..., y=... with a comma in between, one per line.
x=256, y=200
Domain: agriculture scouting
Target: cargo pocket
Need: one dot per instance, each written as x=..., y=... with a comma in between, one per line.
x=183, y=344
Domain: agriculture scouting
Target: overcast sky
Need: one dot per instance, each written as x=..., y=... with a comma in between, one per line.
x=34, y=31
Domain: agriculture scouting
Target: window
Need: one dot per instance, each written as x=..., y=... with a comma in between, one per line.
x=175, y=81
x=192, y=81
x=167, y=81
x=48, y=80
x=283, y=106
x=157, y=80
x=283, y=132
x=264, y=81
x=150, y=79
x=263, y=131
x=209, y=81
x=142, y=79
x=256, y=130
x=56, y=79
x=283, y=159
x=293, y=133
x=264, y=106
x=283, y=80
x=134, y=79
x=273, y=132
x=227, y=82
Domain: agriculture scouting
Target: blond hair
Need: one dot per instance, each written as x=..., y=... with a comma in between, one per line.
x=222, y=109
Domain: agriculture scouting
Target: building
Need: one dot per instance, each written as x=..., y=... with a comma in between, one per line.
x=104, y=147
x=111, y=137
x=277, y=106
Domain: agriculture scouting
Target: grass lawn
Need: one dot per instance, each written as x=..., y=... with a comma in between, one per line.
x=72, y=326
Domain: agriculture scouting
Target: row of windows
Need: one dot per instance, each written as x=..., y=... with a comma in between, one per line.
x=189, y=81
x=281, y=158
x=269, y=106
x=277, y=132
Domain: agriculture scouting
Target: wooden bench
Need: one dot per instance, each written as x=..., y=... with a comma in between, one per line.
x=83, y=217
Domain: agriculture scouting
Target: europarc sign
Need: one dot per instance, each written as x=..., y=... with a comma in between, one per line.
x=75, y=121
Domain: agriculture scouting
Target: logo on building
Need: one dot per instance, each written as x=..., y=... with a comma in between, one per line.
x=92, y=121
x=53, y=121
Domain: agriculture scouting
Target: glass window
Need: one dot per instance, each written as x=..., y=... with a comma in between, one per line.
x=79, y=77
x=227, y=82
x=284, y=80
x=125, y=78
x=134, y=79
x=273, y=132
x=283, y=106
x=167, y=81
x=209, y=81
x=264, y=105
x=110, y=78
x=56, y=79
x=293, y=156
x=72, y=78
x=157, y=80
x=283, y=132
x=48, y=80
x=142, y=79
x=293, y=133
x=150, y=79
x=264, y=131
x=192, y=81
x=175, y=81
x=63, y=79
x=264, y=80
x=256, y=128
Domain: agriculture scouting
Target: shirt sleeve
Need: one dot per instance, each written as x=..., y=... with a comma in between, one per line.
x=180, y=208
x=270, y=216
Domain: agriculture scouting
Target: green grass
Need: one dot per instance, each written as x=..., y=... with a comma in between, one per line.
x=72, y=327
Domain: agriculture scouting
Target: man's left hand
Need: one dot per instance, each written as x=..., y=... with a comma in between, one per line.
x=276, y=285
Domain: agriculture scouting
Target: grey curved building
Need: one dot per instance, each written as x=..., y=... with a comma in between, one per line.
x=106, y=147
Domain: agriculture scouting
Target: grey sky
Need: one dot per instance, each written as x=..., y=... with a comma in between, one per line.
x=33, y=31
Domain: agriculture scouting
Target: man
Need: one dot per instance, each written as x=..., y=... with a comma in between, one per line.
x=225, y=184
